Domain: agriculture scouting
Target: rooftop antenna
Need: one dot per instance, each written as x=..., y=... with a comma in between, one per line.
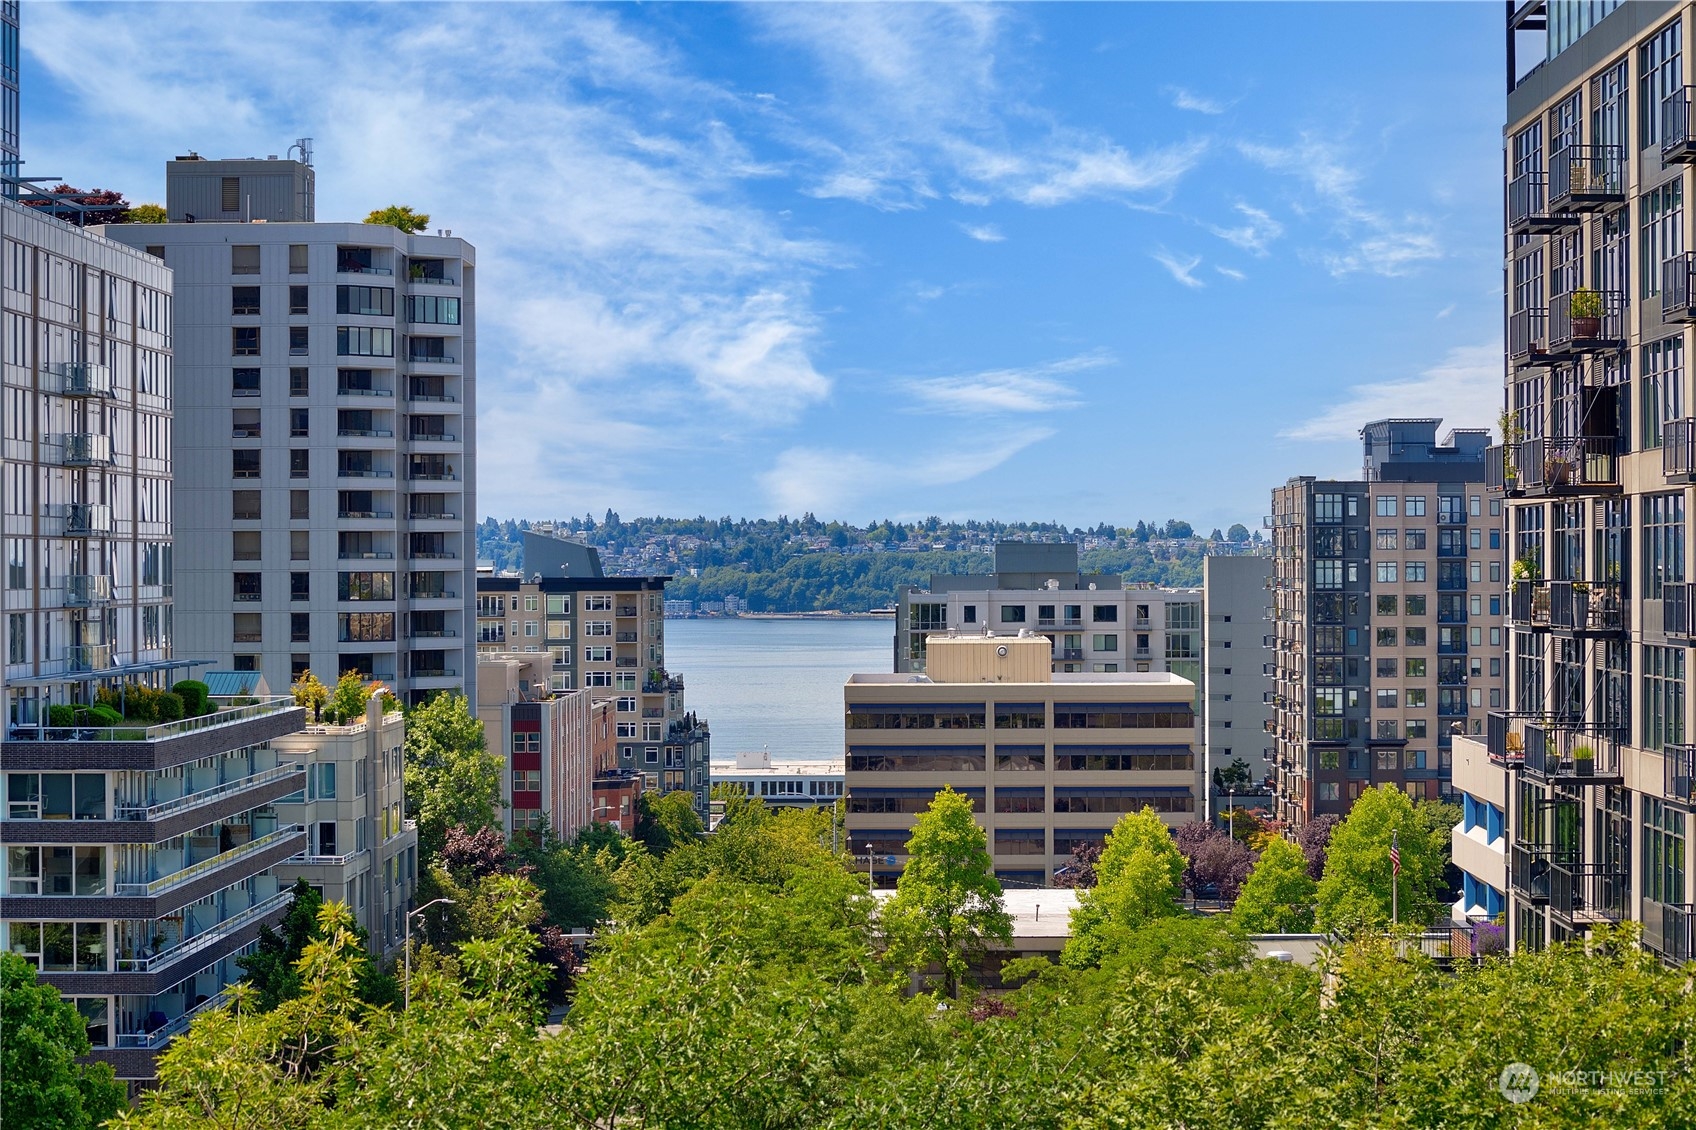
x=304, y=145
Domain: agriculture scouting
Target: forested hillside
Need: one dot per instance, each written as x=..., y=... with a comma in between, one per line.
x=804, y=565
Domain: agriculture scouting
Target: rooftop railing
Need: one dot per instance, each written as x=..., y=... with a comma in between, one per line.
x=227, y=716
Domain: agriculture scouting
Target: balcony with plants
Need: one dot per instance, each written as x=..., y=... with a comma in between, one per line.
x=1587, y=178
x=1587, y=321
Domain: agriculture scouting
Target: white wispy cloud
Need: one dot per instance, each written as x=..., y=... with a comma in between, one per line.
x=635, y=256
x=1446, y=311
x=1188, y=100
x=1465, y=388
x=1036, y=388
x=832, y=481
x=983, y=233
x=1181, y=269
x=1374, y=241
x=1231, y=273
x=1254, y=234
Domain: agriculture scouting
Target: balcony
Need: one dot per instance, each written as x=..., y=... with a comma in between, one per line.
x=168, y=1031
x=1588, y=893
x=431, y=359
x=1530, y=211
x=1528, y=603
x=366, y=433
x=177, y=805
x=381, y=514
x=432, y=437
x=627, y=637
x=1678, y=450
x=155, y=887
x=627, y=610
x=79, y=379
x=87, y=591
x=1576, y=752
x=1584, y=607
x=85, y=519
x=363, y=390
x=1528, y=335
x=487, y=634
x=208, y=938
x=1530, y=869
x=1587, y=178
x=1069, y=654
x=1587, y=321
x=1678, y=761
x=1667, y=930
x=89, y=656
x=83, y=449
x=1678, y=298
x=1678, y=143
x=1564, y=465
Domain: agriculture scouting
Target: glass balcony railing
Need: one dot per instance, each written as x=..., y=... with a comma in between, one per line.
x=85, y=591
x=153, y=963
x=80, y=379
x=162, y=809
x=206, y=866
x=84, y=449
x=83, y=519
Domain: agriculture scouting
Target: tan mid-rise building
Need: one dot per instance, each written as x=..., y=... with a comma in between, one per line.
x=1049, y=760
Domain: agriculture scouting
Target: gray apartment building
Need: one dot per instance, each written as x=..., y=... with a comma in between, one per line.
x=325, y=434
x=1595, y=471
x=1234, y=708
x=1098, y=624
x=1386, y=609
x=606, y=635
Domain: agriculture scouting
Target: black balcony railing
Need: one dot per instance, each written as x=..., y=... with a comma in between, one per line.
x=1678, y=146
x=1678, y=298
x=1588, y=892
x=1529, y=209
x=1561, y=464
x=1529, y=869
x=1585, y=606
x=1678, y=760
x=1675, y=609
x=1504, y=737
x=1587, y=178
x=1528, y=337
x=1582, y=752
x=1667, y=930
x=1572, y=333
x=1528, y=603
x=1678, y=448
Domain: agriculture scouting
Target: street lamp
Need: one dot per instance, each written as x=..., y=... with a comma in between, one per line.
x=406, y=983
x=871, y=863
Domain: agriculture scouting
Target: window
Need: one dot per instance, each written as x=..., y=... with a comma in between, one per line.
x=299, y=423
x=1387, y=572
x=1415, y=571
x=244, y=341
x=1663, y=696
x=526, y=780
x=1415, y=506
x=1327, y=574
x=1415, y=697
x=365, y=341
x=245, y=545
x=244, y=300
x=1384, y=539
x=378, y=301
x=300, y=382
x=300, y=627
x=300, y=462
x=300, y=505
x=1663, y=541
x=432, y=310
x=1415, y=539
x=1414, y=606
x=244, y=258
x=969, y=614
x=1386, y=506
x=300, y=586
x=1662, y=387
x=1386, y=700
x=246, y=587
x=365, y=627
x=244, y=463
x=298, y=303
x=1105, y=614
x=1386, y=637
x=1013, y=614
x=1660, y=67
x=300, y=341
x=244, y=505
x=297, y=258
x=1328, y=508
x=1385, y=669
x=1386, y=605
x=1663, y=851
x=1106, y=643
x=365, y=586
x=244, y=382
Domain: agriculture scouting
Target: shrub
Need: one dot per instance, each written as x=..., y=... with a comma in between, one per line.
x=168, y=706
x=102, y=715
x=61, y=715
x=196, y=697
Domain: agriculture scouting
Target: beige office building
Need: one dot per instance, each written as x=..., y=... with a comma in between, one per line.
x=1048, y=760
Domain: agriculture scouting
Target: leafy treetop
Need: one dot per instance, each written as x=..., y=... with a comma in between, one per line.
x=400, y=216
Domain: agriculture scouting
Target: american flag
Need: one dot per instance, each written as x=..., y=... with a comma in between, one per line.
x=1395, y=856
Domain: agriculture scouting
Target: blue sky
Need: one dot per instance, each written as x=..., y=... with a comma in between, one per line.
x=1075, y=262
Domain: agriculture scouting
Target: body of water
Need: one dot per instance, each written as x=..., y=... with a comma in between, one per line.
x=775, y=683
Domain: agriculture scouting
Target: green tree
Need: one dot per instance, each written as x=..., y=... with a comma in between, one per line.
x=41, y=1084
x=400, y=216
x=310, y=693
x=1355, y=891
x=272, y=969
x=1138, y=879
x=147, y=214
x=947, y=905
x=451, y=777
x=1238, y=533
x=1278, y=897
x=666, y=820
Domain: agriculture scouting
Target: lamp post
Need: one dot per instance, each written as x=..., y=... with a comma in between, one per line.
x=871, y=864
x=406, y=982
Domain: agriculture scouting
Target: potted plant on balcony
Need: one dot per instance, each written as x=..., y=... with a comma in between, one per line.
x=1513, y=434
x=1583, y=761
x=1580, y=604
x=1586, y=310
x=1515, y=745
